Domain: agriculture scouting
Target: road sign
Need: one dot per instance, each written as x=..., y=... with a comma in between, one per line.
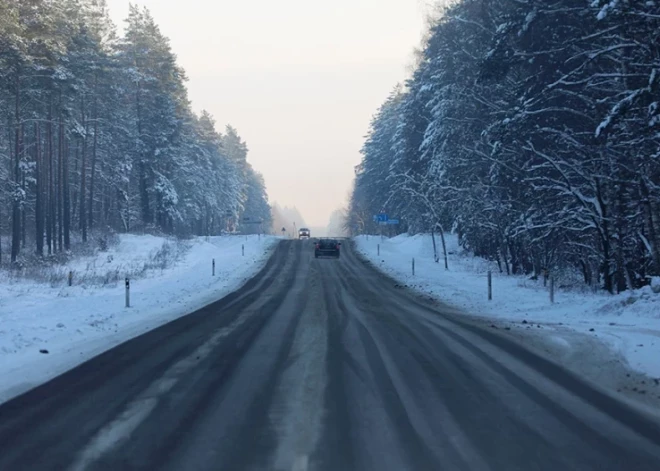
x=381, y=218
x=392, y=222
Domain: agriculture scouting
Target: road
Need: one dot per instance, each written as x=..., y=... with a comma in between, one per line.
x=323, y=365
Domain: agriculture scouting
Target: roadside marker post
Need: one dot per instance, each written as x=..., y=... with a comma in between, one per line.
x=413, y=266
x=379, y=250
x=552, y=289
x=128, y=292
x=243, y=250
x=490, y=285
x=213, y=264
x=70, y=278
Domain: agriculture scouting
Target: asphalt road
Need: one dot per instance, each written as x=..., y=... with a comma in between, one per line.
x=323, y=365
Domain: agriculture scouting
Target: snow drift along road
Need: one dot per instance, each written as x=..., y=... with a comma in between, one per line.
x=628, y=323
x=74, y=324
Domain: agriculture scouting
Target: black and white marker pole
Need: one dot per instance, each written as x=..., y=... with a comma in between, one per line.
x=552, y=289
x=128, y=292
x=490, y=285
x=213, y=265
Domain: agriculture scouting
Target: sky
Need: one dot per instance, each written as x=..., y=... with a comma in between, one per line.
x=299, y=79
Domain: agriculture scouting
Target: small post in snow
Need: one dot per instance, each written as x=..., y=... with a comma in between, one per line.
x=213, y=267
x=379, y=250
x=70, y=278
x=552, y=289
x=413, y=266
x=128, y=292
x=490, y=285
x=243, y=250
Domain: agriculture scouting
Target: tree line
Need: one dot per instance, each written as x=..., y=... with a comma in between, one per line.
x=531, y=128
x=97, y=133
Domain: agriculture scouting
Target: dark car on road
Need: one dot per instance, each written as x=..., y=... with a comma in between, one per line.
x=327, y=248
x=304, y=233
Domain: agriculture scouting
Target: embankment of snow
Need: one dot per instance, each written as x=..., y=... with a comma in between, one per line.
x=73, y=324
x=628, y=323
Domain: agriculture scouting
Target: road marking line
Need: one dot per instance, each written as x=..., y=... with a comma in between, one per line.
x=301, y=463
x=119, y=430
x=115, y=433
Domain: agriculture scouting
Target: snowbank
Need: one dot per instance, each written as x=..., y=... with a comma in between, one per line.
x=628, y=323
x=73, y=324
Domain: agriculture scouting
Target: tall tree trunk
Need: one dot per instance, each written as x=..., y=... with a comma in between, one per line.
x=104, y=203
x=23, y=209
x=38, y=211
x=66, y=204
x=127, y=224
x=16, y=204
x=144, y=195
x=92, y=176
x=605, y=240
x=83, y=178
x=9, y=129
x=75, y=196
x=620, y=240
x=144, y=192
x=444, y=247
x=650, y=226
x=50, y=211
x=60, y=183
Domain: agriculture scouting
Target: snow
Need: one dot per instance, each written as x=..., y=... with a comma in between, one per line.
x=77, y=323
x=628, y=324
x=602, y=14
x=531, y=16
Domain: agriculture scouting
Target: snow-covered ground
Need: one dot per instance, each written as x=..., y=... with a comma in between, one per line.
x=629, y=323
x=72, y=324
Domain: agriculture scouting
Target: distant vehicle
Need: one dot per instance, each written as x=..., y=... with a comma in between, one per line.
x=327, y=248
x=304, y=233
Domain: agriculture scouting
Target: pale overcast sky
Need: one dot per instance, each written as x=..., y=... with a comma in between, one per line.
x=299, y=79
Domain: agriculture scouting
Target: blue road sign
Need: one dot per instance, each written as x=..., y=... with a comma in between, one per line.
x=392, y=222
x=381, y=218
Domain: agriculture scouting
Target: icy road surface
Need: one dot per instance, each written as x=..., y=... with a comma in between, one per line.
x=323, y=365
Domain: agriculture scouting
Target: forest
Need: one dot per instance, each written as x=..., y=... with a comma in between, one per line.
x=97, y=135
x=531, y=129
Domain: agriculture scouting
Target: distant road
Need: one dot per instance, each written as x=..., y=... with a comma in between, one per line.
x=323, y=365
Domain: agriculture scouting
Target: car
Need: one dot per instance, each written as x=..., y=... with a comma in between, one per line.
x=327, y=248
x=304, y=233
